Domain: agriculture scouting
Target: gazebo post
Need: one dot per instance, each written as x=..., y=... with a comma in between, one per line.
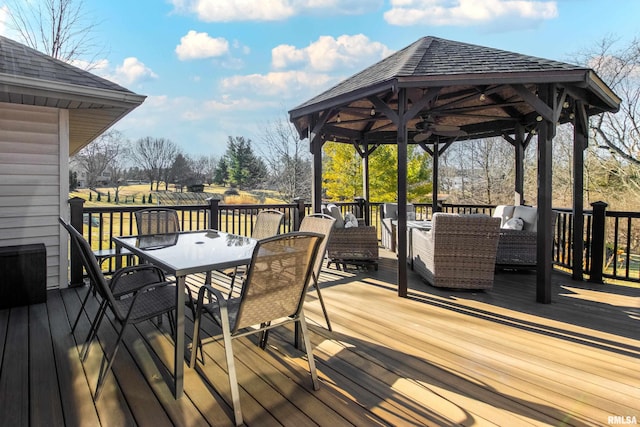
x=580, y=143
x=402, y=193
x=365, y=172
x=315, y=144
x=547, y=94
x=434, y=190
x=519, y=166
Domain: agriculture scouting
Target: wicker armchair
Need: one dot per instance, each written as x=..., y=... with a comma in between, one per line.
x=351, y=245
x=517, y=248
x=458, y=252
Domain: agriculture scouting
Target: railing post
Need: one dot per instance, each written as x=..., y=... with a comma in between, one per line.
x=76, y=205
x=597, y=241
x=361, y=211
x=214, y=207
x=299, y=213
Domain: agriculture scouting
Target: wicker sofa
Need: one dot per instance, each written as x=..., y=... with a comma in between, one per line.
x=458, y=252
x=351, y=245
x=517, y=247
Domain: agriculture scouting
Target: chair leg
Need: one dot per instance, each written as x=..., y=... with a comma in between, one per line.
x=231, y=367
x=84, y=302
x=93, y=331
x=233, y=281
x=264, y=336
x=307, y=346
x=324, y=309
x=195, y=341
x=104, y=371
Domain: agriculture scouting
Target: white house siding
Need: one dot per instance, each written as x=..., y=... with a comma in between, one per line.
x=32, y=191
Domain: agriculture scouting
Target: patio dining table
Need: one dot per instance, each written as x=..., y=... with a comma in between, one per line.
x=184, y=253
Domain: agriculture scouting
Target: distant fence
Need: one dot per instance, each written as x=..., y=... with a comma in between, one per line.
x=611, y=239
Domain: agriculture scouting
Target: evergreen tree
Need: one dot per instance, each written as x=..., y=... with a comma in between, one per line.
x=245, y=169
x=221, y=173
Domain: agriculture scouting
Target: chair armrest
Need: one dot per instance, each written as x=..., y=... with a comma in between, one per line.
x=132, y=279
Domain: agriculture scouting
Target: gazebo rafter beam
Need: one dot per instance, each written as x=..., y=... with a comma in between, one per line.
x=421, y=103
x=385, y=109
x=541, y=108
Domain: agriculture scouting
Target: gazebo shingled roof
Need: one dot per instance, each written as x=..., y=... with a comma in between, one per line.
x=480, y=91
x=462, y=72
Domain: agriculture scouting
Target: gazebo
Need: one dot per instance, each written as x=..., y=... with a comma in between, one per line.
x=435, y=92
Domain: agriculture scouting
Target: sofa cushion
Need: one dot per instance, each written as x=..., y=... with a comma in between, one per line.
x=334, y=211
x=514, y=223
x=505, y=212
x=529, y=215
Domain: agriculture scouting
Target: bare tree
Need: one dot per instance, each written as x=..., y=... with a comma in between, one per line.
x=288, y=159
x=155, y=157
x=101, y=154
x=478, y=171
x=60, y=28
x=617, y=136
x=203, y=168
x=619, y=67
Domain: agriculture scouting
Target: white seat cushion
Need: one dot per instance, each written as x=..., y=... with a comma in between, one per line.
x=505, y=212
x=529, y=215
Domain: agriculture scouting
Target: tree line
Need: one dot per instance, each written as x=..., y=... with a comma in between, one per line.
x=283, y=165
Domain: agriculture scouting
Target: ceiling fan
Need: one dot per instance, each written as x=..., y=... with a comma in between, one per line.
x=428, y=127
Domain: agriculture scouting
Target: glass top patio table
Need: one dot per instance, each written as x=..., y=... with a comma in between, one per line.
x=186, y=253
x=191, y=252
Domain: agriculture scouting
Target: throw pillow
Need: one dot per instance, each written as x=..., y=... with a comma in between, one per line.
x=514, y=224
x=350, y=220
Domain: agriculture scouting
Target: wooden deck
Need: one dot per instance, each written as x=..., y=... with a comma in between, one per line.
x=436, y=358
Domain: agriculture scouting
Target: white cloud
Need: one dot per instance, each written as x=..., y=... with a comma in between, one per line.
x=280, y=85
x=201, y=45
x=236, y=10
x=132, y=71
x=467, y=12
x=328, y=53
x=270, y=10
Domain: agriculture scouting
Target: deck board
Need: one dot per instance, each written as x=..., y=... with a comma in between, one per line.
x=439, y=357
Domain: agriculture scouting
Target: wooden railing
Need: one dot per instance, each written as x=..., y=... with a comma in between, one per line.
x=611, y=239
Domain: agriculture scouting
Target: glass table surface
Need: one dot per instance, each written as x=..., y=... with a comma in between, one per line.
x=192, y=251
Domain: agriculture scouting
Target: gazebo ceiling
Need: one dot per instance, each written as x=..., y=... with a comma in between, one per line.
x=480, y=91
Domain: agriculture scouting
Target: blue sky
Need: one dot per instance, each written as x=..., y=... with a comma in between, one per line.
x=218, y=68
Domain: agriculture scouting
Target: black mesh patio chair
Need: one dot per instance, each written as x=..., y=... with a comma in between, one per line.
x=270, y=297
x=157, y=221
x=152, y=297
x=124, y=284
